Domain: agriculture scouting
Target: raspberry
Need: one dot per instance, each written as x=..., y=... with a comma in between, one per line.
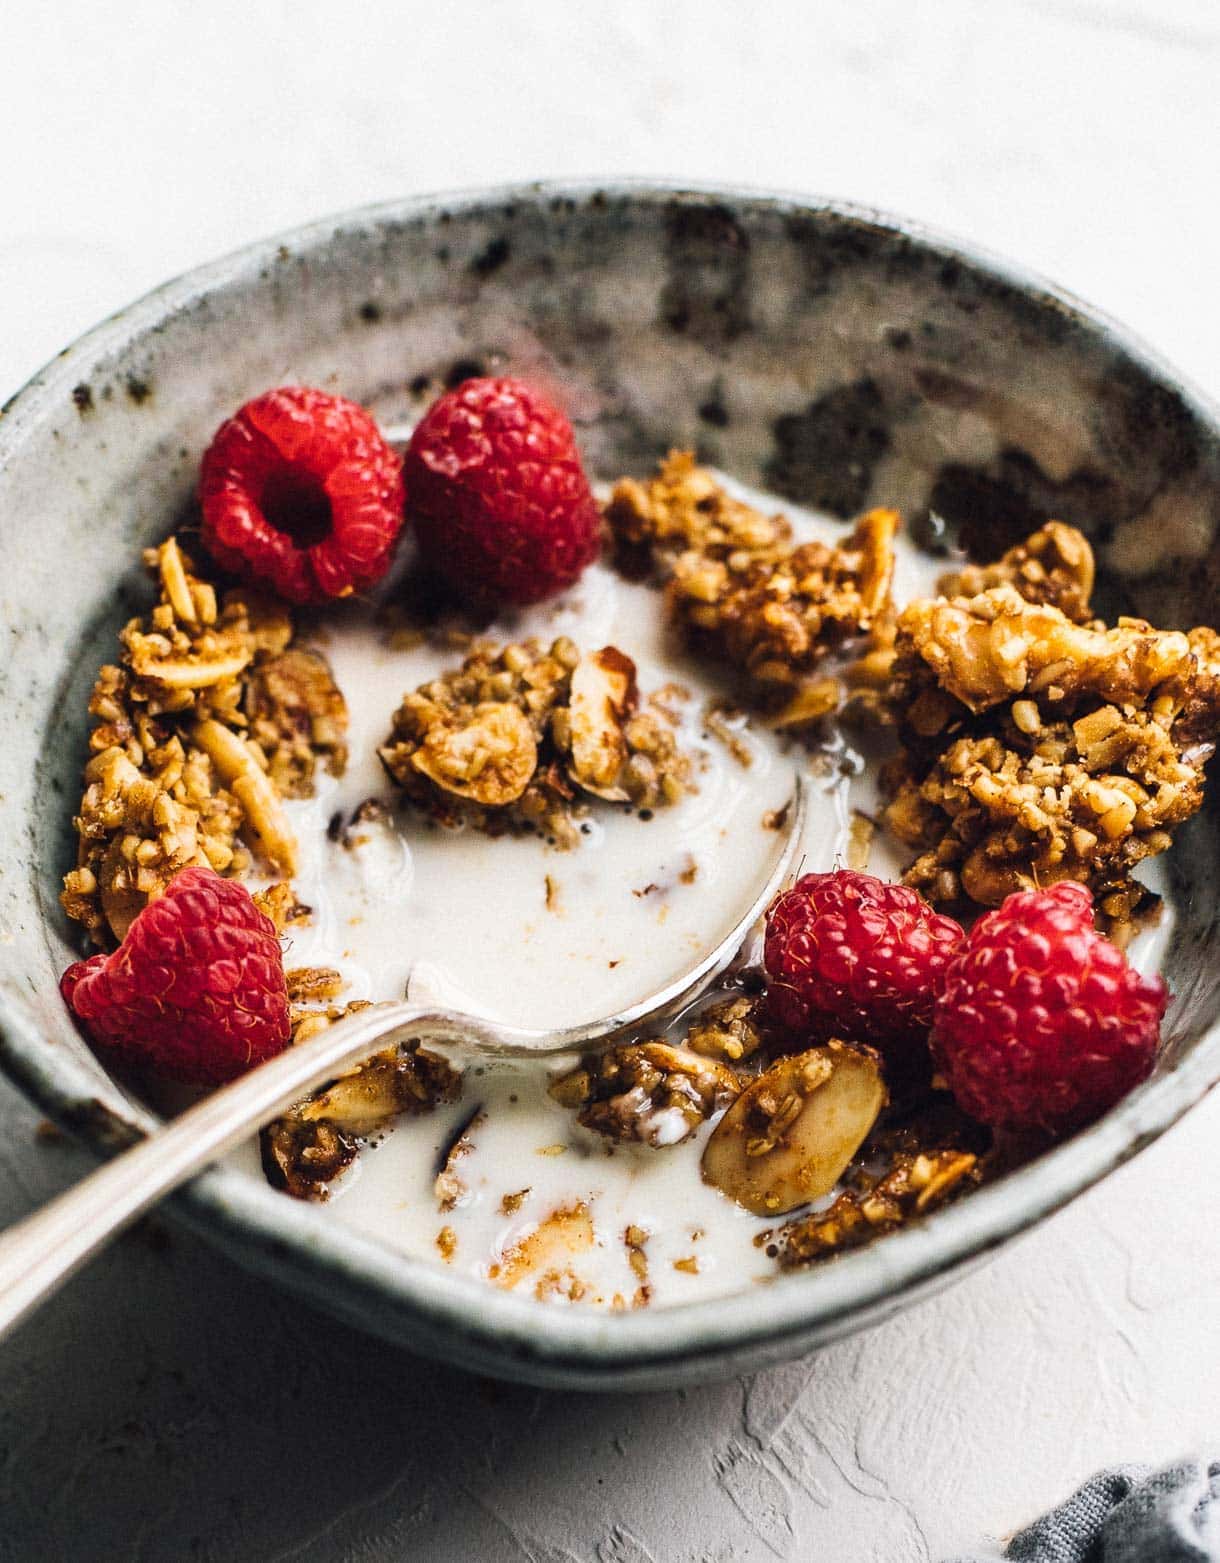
x=196, y=989
x=499, y=501
x=850, y=956
x=299, y=489
x=1042, y=1023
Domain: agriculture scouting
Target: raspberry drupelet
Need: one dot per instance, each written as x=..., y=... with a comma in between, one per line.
x=299, y=491
x=1042, y=1022
x=499, y=502
x=195, y=991
x=848, y=955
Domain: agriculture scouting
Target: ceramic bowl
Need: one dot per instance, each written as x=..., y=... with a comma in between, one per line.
x=831, y=354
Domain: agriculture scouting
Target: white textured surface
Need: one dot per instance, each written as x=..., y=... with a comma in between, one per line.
x=168, y=1406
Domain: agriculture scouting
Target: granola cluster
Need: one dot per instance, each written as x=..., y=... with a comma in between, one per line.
x=913, y=1184
x=516, y=737
x=1039, y=744
x=743, y=594
x=209, y=718
x=1054, y=565
x=306, y=1148
x=654, y=1092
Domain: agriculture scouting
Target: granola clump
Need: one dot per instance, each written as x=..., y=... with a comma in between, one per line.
x=517, y=736
x=178, y=777
x=743, y=594
x=726, y=1031
x=1053, y=566
x=306, y=1148
x=684, y=509
x=1038, y=748
x=913, y=1184
x=653, y=1092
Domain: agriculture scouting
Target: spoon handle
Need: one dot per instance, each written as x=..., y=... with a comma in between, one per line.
x=40, y=1253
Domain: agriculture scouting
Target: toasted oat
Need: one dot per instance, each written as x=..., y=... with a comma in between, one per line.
x=517, y=738
x=174, y=780
x=653, y=1092
x=1037, y=749
x=279, y=903
x=313, y=984
x=297, y=717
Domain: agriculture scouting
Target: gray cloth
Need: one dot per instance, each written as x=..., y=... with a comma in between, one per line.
x=1128, y=1514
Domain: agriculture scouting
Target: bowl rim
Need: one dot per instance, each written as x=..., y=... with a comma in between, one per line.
x=235, y=1209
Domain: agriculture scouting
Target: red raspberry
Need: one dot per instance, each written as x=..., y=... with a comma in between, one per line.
x=499, y=501
x=1042, y=1023
x=196, y=989
x=851, y=956
x=299, y=489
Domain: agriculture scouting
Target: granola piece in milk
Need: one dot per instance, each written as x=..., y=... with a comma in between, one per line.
x=518, y=737
x=744, y=594
x=306, y=1148
x=1036, y=748
x=176, y=776
x=653, y=1092
x=790, y=1135
x=913, y=1184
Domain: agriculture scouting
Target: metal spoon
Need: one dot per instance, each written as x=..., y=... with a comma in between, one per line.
x=40, y=1253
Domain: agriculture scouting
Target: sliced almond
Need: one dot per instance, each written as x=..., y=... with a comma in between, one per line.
x=397, y=1080
x=174, y=582
x=603, y=696
x=188, y=672
x=240, y=771
x=489, y=759
x=789, y=1137
x=812, y=702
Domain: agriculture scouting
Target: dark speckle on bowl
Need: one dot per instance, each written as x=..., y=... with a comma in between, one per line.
x=491, y=257
x=824, y=455
x=706, y=294
x=462, y=369
x=989, y=509
x=82, y=395
x=712, y=409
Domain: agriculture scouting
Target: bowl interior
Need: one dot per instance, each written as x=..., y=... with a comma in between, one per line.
x=819, y=352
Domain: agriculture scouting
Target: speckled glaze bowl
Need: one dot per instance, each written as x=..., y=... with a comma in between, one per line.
x=836, y=356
